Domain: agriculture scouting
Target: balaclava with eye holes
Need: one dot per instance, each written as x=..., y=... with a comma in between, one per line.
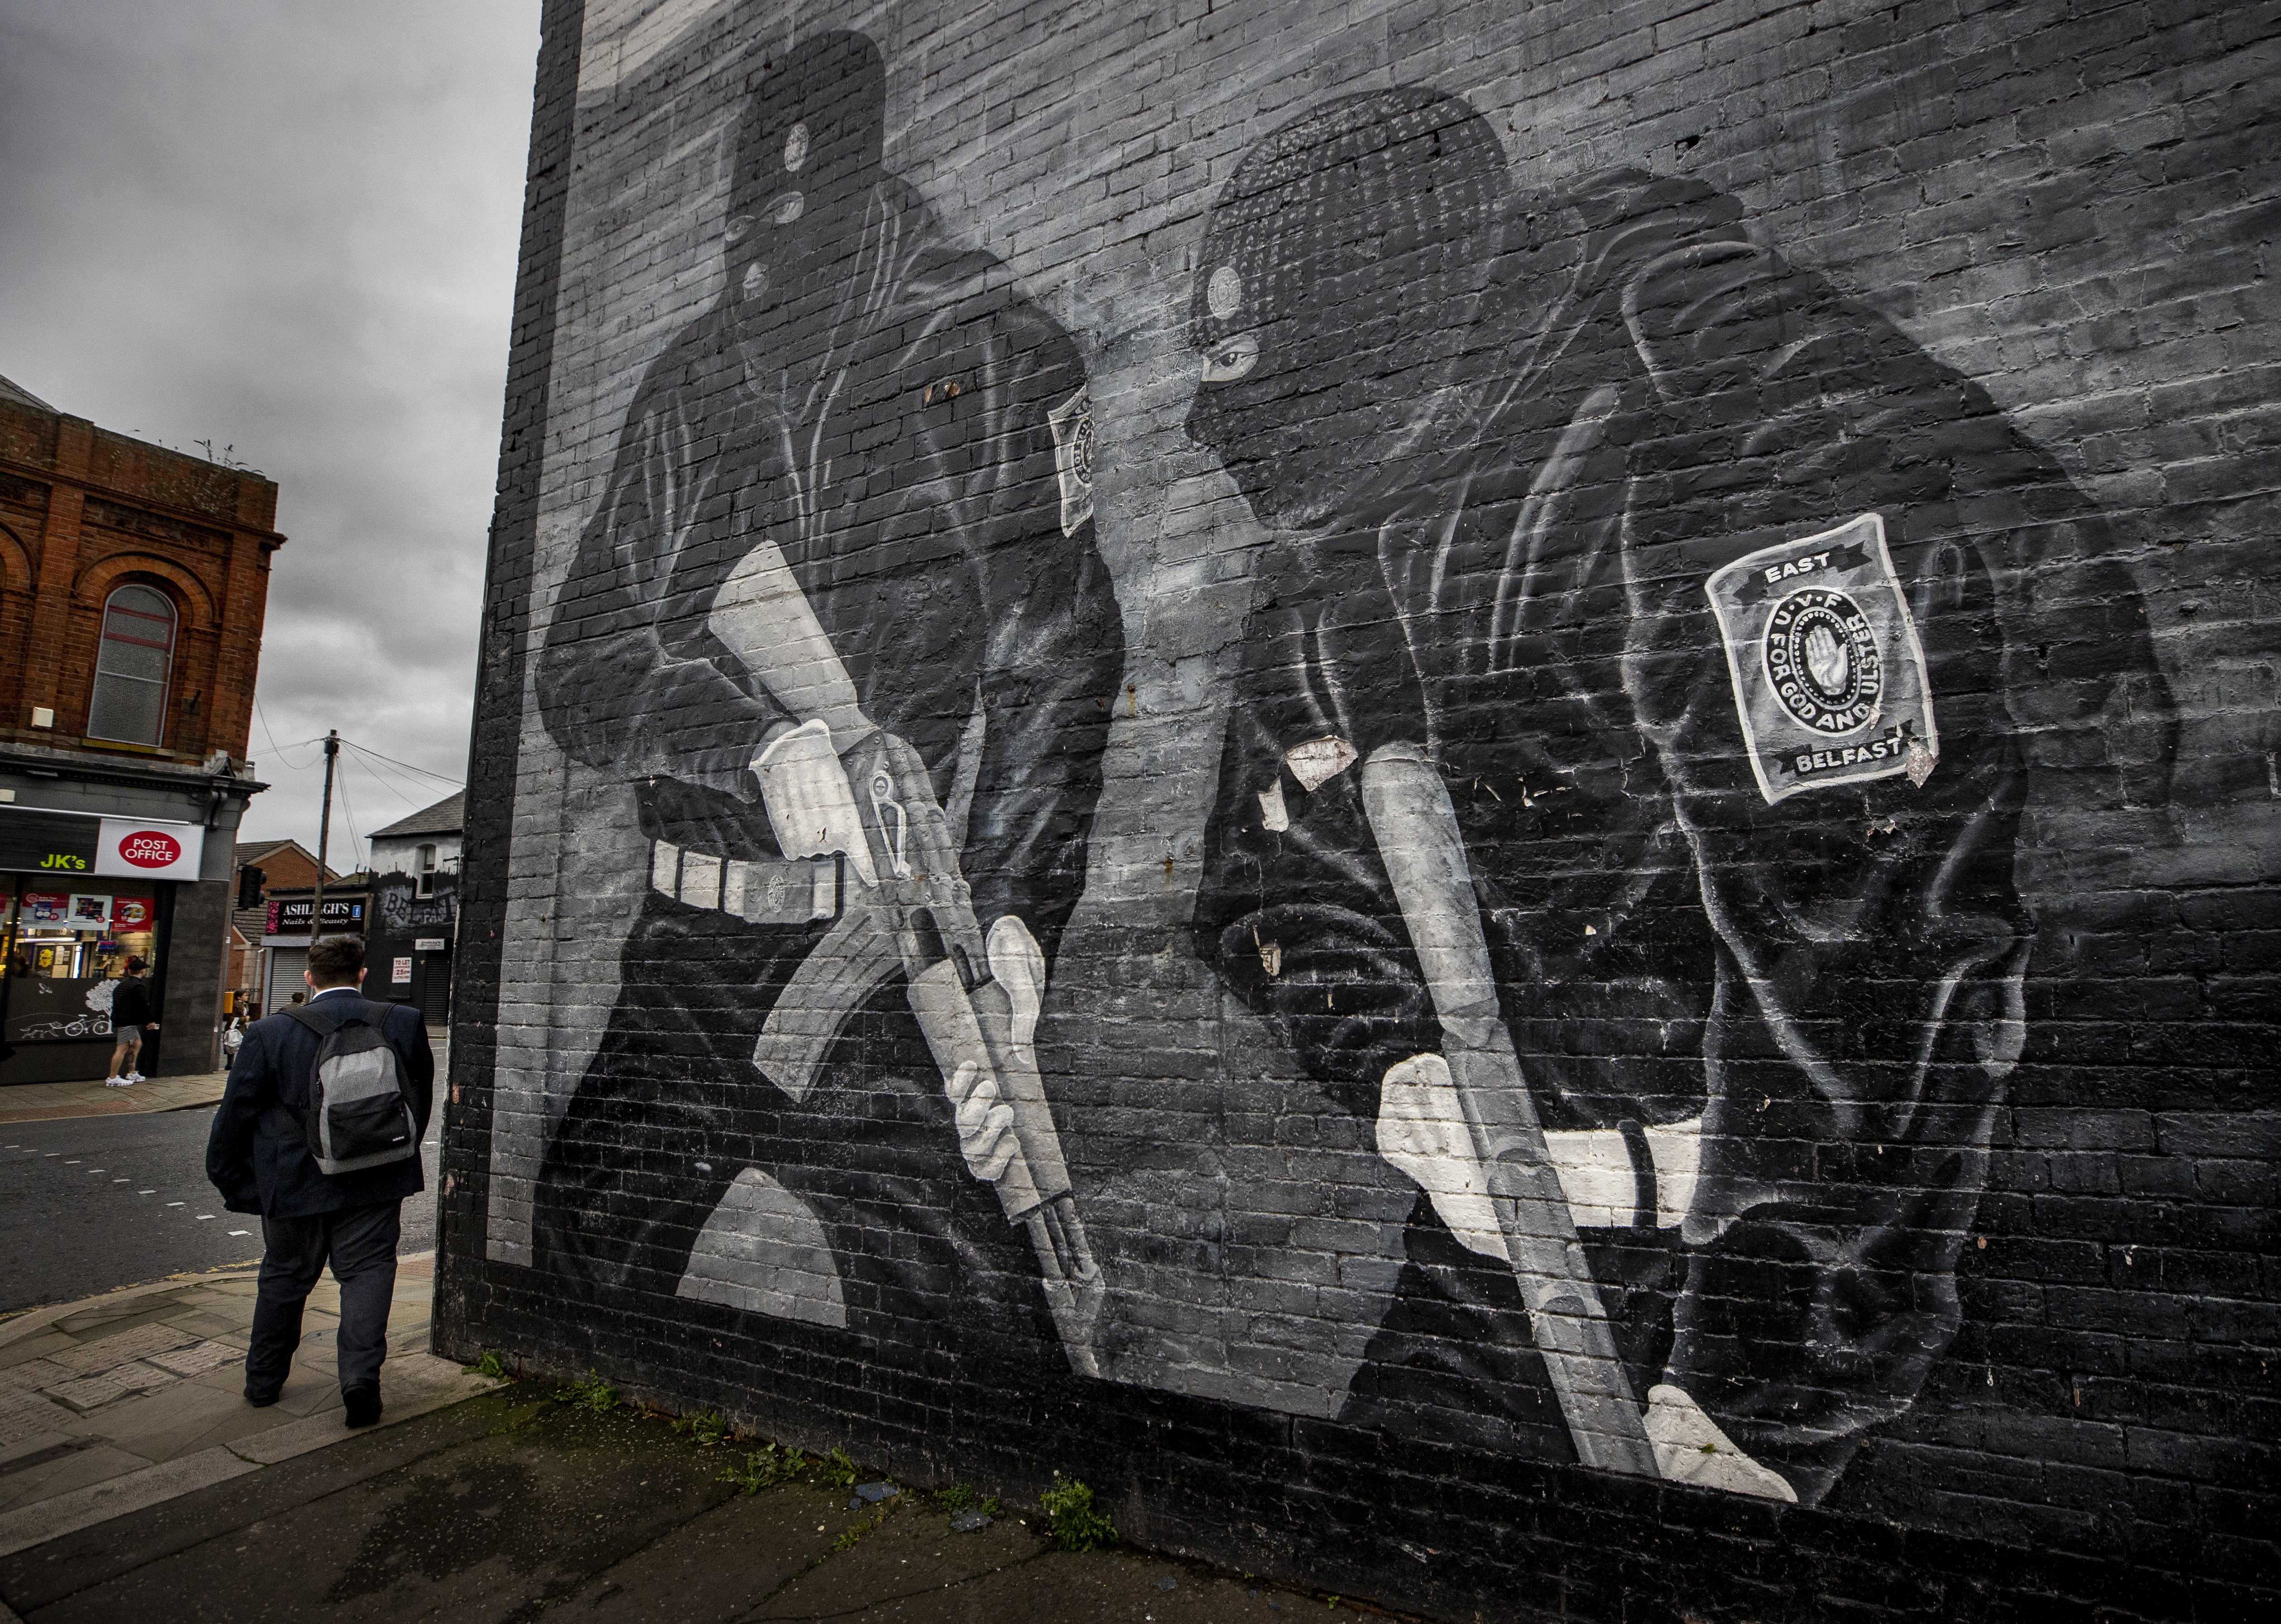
x=834, y=87
x=807, y=157
x=1348, y=244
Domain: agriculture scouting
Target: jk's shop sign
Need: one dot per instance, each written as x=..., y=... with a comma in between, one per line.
x=72, y=843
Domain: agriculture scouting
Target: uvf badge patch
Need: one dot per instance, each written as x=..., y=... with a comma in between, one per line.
x=1072, y=426
x=1830, y=678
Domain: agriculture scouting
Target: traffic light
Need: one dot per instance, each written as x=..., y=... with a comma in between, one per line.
x=249, y=881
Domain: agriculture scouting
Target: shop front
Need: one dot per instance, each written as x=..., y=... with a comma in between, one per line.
x=285, y=942
x=408, y=948
x=87, y=896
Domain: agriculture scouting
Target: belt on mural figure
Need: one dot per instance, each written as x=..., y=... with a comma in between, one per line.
x=762, y=891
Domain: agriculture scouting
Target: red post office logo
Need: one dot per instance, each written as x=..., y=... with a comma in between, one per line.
x=148, y=848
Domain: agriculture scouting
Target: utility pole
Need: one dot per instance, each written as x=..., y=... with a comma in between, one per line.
x=324, y=836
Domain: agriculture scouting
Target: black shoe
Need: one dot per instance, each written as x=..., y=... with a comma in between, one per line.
x=261, y=1398
x=362, y=1402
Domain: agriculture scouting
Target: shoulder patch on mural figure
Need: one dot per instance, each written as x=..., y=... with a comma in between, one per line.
x=1072, y=423
x=1829, y=677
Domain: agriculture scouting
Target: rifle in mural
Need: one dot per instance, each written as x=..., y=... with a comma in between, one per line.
x=1495, y=1135
x=975, y=997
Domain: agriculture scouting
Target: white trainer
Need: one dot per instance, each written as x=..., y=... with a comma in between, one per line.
x=115, y=1082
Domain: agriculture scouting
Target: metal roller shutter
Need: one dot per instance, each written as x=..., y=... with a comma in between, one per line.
x=285, y=967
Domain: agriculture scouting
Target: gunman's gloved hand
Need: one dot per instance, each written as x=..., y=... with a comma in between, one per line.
x=811, y=806
x=986, y=1122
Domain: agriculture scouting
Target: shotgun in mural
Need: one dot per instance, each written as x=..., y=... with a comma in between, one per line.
x=1620, y=802
x=840, y=616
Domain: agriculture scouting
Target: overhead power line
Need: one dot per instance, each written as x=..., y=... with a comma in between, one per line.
x=407, y=766
x=277, y=749
x=348, y=812
x=382, y=779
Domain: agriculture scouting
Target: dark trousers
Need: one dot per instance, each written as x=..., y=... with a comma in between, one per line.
x=360, y=1244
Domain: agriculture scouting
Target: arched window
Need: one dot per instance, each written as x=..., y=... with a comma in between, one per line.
x=132, y=666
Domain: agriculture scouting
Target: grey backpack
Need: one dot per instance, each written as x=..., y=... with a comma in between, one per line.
x=358, y=1114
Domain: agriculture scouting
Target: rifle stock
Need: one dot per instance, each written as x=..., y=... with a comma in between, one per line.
x=1423, y=851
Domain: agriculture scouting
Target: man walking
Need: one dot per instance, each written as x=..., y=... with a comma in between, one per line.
x=258, y=1157
x=130, y=1017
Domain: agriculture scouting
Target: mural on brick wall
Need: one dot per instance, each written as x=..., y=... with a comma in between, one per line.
x=1619, y=800
x=1657, y=674
x=840, y=612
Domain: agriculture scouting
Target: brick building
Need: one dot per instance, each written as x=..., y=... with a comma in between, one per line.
x=1483, y=796
x=415, y=894
x=261, y=867
x=133, y=584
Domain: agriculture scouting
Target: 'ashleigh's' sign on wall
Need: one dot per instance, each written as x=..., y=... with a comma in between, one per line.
x=291, y=918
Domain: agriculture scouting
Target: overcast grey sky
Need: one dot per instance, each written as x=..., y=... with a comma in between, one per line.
x=291, y=225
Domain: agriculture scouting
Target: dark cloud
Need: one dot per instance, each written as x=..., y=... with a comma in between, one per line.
x=290, y=229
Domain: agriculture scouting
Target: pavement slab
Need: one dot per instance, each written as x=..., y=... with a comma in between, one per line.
x=40, y=1521
x=25, y=1414
x=199, y=1356
x=182, y=1420
x=114, y=1321
x=411, y=1385
x=719, y=1566
x=60, y=1102
x=67, y=1464
x=85, y=1393
x=34, y=1347
x=1064, y=1586
x=19, y=1453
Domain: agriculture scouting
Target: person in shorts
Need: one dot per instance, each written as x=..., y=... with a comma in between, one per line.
x=130, y=1018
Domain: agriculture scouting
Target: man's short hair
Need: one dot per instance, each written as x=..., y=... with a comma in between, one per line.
x=334, y=960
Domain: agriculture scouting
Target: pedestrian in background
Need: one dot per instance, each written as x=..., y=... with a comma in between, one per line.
x=258, y=1157
x=130, y=1018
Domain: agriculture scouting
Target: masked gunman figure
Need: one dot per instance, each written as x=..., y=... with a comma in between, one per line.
x=1654, y=659
x=841, y=619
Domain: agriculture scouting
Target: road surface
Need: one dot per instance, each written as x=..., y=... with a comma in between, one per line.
x=93, y=1202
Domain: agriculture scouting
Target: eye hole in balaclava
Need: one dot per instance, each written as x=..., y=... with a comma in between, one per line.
x=1336, y=260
